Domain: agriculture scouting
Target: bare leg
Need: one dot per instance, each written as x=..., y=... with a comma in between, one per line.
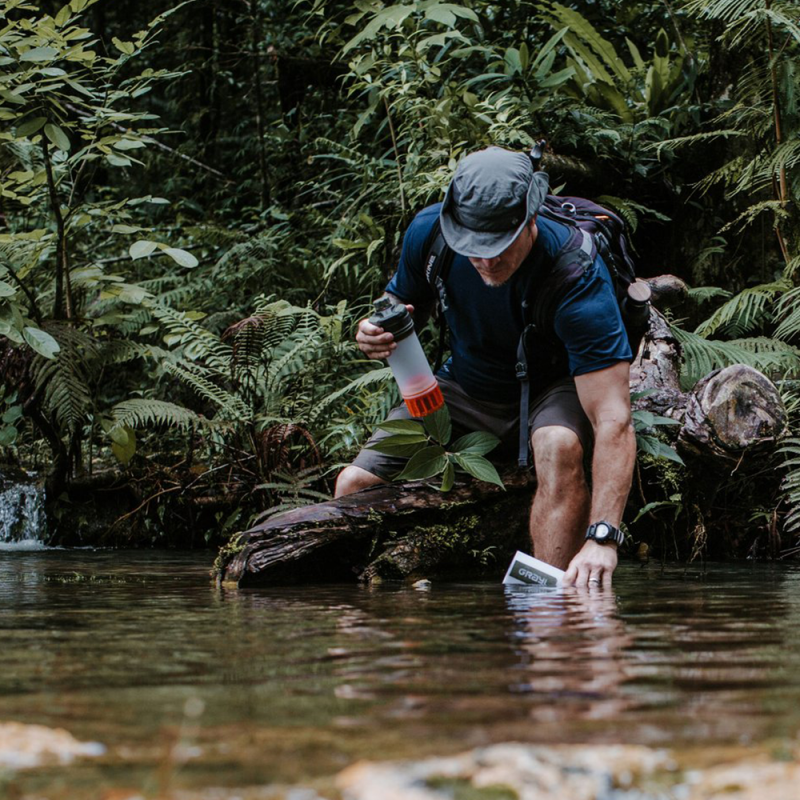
x=351, y=479
x=560, y=510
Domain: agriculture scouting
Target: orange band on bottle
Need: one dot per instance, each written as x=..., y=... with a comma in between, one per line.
x=424, y=403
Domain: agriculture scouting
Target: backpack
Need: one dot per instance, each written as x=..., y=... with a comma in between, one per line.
x=593, y=230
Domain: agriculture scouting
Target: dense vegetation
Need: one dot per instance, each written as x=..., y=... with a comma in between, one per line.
x=199, y=201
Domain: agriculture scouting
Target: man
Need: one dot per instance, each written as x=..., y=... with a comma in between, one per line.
x=579, y=378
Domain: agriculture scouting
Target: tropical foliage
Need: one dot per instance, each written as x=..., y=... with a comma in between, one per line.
x=198, y=204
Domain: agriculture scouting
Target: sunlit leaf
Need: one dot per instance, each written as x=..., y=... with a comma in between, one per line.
x=41, y=341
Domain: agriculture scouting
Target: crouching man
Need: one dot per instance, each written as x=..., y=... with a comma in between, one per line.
x=578, y=367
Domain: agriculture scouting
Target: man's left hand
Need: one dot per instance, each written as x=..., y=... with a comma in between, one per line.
x=593, y=566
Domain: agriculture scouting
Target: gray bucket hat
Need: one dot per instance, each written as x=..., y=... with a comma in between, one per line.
x=493, y=195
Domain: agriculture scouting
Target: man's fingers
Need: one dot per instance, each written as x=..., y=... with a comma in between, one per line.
x=607, y=579
x=569, y=576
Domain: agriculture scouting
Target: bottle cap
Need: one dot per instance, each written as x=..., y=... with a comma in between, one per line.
x=393, y=318
x=639, y=292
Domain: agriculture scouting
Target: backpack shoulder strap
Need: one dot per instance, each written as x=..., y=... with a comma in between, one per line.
x=437, y=266
x=576, y=255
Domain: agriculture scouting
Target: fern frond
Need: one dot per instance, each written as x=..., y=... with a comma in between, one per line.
x=746, y=310
x=64, y=382
x=376, y=376
x=200, y=381
x=197, y=342
x=702, y=294
x=145, y=413
x=701, y=356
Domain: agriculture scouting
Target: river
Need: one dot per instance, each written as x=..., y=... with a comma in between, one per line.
x=187, y=686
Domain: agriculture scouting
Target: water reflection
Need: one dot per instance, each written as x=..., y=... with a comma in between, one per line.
x=297, y=681
x=573, y=645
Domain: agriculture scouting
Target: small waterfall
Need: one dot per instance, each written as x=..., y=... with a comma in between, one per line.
x=22, y=517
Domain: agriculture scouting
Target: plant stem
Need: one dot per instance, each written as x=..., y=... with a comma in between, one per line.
x=34, y=308
x=396, y=157
x=62, y=261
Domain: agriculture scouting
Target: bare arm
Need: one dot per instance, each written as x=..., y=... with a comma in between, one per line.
x=605, y=398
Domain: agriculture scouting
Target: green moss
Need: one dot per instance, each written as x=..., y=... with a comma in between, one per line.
x=447, y=536
x=226, y=553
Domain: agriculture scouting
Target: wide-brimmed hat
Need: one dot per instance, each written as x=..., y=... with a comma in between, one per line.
x=493, y=195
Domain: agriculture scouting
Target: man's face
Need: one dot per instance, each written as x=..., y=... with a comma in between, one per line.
x=496, y=271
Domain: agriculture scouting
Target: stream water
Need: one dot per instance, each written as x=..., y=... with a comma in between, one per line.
x=190, y=686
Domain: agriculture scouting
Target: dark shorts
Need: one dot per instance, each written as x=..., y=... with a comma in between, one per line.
x=556, y=405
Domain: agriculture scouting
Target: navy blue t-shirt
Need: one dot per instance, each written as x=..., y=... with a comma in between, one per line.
x=485, y=322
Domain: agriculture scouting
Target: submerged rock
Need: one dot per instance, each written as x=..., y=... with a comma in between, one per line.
x=571, y=772
x=26, y=746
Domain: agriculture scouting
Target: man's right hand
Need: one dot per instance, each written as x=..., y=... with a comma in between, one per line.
x=373, y=341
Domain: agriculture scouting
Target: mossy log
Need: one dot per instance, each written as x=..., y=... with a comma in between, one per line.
x=730, y=421
x=394, y=532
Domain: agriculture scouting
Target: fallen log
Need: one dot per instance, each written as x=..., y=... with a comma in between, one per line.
x=384, y=532
x=731, y=419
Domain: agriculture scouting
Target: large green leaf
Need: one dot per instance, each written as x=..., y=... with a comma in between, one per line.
x=478, y=467
x=181, y=257
x=401, y=426
x=41, y=341
x=7, y=290
x=404, y=445
x=31, y=126
x=37, y=54
x=424, y=464
x=448, y=477
x=438, y=425
x=142, y=248
x=656, y=448
x=57, y=136
x=123, y=444
x=478, y=443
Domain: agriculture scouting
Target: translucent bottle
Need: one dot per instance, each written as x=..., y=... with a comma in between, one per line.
x=410, y=367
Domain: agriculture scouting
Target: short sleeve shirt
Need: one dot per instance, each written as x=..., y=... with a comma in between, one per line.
x=485, y=322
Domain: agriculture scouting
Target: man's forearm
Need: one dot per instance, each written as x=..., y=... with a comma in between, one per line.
x=612, y=470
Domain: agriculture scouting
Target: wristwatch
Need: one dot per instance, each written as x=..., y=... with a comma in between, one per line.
x=605, y=533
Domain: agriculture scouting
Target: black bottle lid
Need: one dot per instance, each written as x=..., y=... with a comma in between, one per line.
x=393, y=318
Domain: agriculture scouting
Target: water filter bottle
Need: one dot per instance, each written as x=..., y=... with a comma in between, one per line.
x=410, y=368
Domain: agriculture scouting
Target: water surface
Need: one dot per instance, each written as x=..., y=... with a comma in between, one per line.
x=191, y=686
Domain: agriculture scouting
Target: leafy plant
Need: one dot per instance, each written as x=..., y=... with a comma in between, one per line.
x=430, y=453
x=645, y=424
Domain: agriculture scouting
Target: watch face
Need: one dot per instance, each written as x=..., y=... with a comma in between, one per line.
x=602, y=532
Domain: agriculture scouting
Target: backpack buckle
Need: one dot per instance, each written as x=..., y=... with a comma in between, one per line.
x=569, y=208
x=522, y=371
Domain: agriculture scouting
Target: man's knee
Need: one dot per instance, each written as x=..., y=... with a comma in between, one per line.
x=557, y=454
x=351, y=479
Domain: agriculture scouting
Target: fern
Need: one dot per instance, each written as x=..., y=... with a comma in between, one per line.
x=201, y=381
x=745, y=311
x=701, y=356
x=196, y=341
x=376, y=376
x=144, y=413
x=63, y=383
